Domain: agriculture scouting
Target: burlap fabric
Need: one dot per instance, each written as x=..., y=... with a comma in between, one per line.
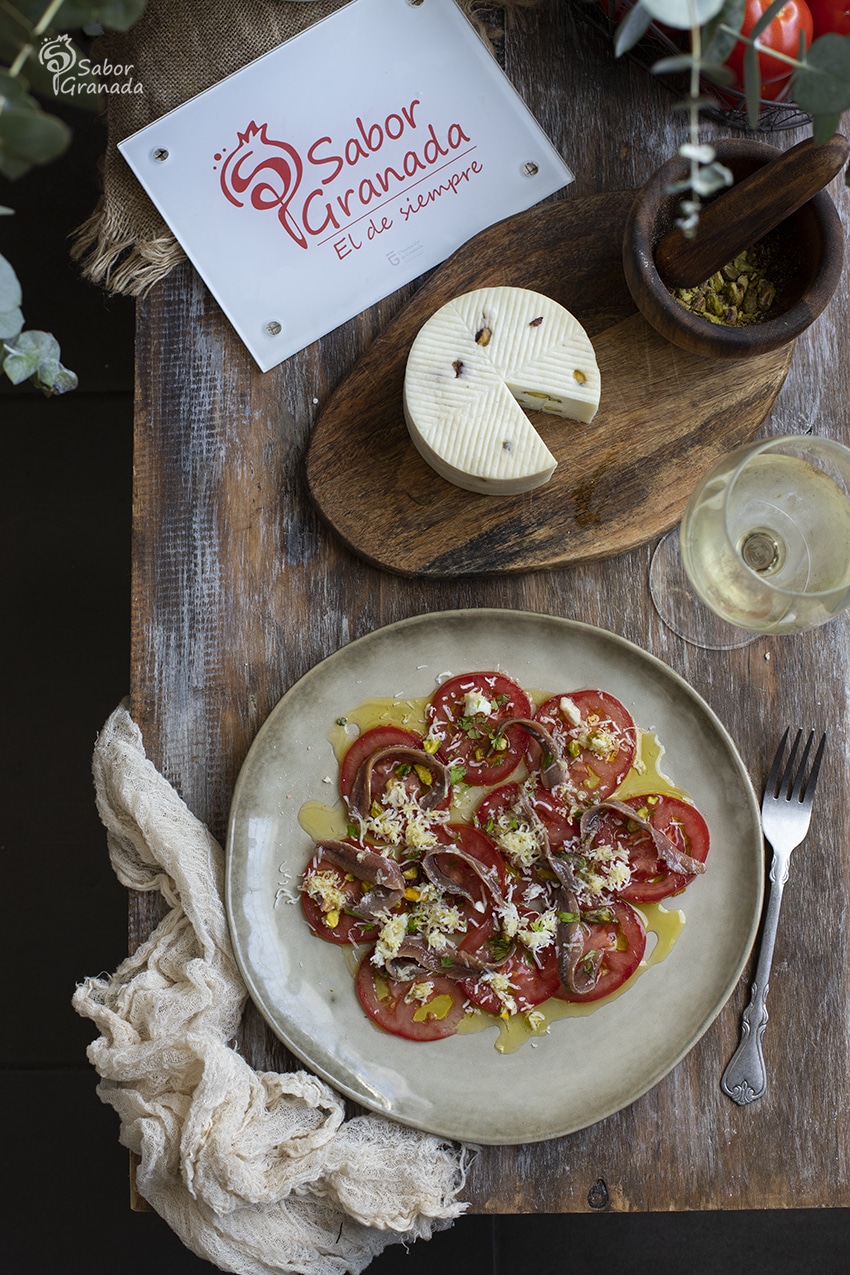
x=177, y=49
x=257, y=1172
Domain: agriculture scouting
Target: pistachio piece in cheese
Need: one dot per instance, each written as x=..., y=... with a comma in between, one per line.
x=470, y=368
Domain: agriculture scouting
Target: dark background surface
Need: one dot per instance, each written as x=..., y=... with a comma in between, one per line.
x=65, y=506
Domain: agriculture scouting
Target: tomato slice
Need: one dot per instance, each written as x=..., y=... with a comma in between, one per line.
x=682, y=823
x=599, y=748
x=562, y=829
x=348, y=929
x=623, y=940
x=464, y=714
x=394, y=1005
x=531, y=980
x=364, y=746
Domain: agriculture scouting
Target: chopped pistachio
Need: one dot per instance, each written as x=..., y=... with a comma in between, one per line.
x=735, y=295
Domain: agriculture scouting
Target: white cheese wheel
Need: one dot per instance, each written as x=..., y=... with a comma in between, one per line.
x=469, y=369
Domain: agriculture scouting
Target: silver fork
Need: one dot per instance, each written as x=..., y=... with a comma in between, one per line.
x=786, y=810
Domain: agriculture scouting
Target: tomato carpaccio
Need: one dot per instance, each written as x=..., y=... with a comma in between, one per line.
x=462, y=913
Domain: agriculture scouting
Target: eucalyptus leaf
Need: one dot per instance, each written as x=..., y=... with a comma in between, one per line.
x=116, y=15
x=633, y=28
x=717, y=74
x=30, y=137
x=823, y=127
x=61, y=381
x=20, y=365
x=774, y=8
x=711, y=178
x=716, y=43
x=10, y=288
x=13, y=92
x=822, y=86
x=43, y=345
x=35, y=356
x=11, y=322
x=702, y=152
x=752, y=84
x=673, y=65
x=680, y=13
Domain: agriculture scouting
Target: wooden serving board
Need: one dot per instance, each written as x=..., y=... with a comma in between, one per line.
x=665, y=417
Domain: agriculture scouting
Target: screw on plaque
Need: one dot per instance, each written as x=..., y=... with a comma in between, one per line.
x=160, y=154
x=597, y=1196
x=273, y=328
x=530, y=169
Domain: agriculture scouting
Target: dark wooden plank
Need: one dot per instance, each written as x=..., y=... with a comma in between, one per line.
x=239, y=589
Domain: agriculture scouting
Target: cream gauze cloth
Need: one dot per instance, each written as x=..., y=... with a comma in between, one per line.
x=258, y=1172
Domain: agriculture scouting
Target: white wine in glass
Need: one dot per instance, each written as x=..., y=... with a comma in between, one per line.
x=764, y=542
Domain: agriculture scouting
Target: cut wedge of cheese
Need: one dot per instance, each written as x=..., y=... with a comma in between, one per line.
x=473, y=367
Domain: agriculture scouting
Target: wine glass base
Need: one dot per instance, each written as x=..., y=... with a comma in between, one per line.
x=680, y=608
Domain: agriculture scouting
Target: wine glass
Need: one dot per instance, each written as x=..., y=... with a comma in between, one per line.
x=763, y=546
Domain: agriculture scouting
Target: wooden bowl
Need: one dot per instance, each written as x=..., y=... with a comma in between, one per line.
x=809, y=244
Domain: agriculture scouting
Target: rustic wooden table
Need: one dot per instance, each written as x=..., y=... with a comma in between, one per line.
x=239, y=588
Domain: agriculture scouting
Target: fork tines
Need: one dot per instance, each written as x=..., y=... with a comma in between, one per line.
x=784, y=780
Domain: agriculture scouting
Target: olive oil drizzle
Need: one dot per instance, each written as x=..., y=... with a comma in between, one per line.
x=320, y=821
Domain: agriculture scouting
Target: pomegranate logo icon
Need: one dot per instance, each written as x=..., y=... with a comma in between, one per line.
x=265, y=172
x=57, y=54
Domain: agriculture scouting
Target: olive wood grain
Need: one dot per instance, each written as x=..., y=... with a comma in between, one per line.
x=239, y=589
x=740, y=216
x=620, y=480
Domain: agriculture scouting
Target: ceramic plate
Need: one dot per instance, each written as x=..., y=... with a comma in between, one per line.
x=586, y=1068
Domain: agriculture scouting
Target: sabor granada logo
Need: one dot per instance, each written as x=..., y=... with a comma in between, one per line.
x=74, y=76
x=323, y=193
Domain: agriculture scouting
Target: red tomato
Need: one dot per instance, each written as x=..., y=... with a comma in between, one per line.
x=682, y=823
x=389, y=1003
x=469, y=739
x=367, y=744
x=782, y=34
x=349, y=929
x=593, y=774
x=532, y=981
x=623, y=940
x=552, y=813
x=830, y=16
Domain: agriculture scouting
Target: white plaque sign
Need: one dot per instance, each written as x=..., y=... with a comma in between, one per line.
x=343, y=164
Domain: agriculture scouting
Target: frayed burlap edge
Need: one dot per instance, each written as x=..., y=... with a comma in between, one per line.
x=111, y=255
x=125, y=246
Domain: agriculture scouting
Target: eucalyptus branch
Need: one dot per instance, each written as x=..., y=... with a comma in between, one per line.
x=47, y=17
x=20, y=61
x=27, y=50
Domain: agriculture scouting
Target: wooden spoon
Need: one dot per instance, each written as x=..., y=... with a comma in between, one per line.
x=741, y=215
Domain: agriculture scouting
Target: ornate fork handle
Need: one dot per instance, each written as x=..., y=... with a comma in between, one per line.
x=745, y=1078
